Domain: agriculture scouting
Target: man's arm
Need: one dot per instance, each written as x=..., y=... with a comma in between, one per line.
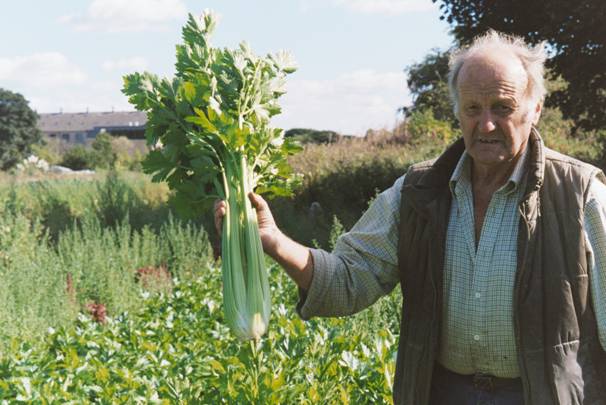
x=361, y=269
x=595, y=234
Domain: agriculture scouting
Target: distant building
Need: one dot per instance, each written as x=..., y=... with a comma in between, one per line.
x=82, y=128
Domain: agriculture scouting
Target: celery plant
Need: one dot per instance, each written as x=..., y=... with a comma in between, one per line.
x=210, y=129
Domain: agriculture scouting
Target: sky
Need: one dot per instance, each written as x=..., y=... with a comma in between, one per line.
x=70, y=56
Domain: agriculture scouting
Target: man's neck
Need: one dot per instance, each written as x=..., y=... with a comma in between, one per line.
x=491, y=177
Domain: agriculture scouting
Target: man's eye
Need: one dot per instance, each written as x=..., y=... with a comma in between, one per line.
x=472, y=109
x=504, y=109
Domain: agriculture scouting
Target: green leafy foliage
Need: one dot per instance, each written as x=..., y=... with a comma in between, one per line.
x=559, y=134
x=48, y=150
x=336, y=230
x=428, y=85
x=424, y=128
x=213, y=112
x=104, y=156
x=176, y=349
x=18, y=128
x=79, y=158
x=99, y=156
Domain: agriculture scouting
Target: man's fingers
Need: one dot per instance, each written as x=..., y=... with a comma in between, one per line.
x=220, y=204
x=220, y=210
x=259, y=204
x=257, y=201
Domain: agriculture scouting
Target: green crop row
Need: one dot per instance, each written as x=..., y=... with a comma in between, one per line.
x=177, y=349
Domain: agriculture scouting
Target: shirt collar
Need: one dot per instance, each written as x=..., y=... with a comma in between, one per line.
x=463, y=172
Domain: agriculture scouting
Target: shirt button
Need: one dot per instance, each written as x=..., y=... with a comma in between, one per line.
x=478, y=295
x=476, y=337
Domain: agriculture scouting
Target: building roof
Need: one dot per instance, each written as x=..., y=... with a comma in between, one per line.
x=87, y=121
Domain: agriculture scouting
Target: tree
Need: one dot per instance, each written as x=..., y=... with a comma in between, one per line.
x=428, y=84
x=103, y=152
x=18, y=128
x=307, y=135
x=575, y=31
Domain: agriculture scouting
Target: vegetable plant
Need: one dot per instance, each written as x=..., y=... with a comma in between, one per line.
x=210, y=130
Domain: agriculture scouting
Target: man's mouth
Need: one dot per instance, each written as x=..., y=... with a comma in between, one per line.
x=488, y=141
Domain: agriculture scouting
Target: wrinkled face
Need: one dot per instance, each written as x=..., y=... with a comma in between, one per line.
x=493, y=109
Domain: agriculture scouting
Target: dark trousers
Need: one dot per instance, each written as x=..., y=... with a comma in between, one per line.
x=448, y=388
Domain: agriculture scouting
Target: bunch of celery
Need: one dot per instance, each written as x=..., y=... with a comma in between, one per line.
x=209, y=127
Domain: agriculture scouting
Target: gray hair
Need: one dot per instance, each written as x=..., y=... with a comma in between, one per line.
x=532, y=59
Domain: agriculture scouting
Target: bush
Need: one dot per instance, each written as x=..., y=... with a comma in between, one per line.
x=128, y=154
x=559, y=134
x=424, y=129
x=102, y=154
x=79, y=158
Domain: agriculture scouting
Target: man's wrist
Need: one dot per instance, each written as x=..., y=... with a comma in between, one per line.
x=274, y=244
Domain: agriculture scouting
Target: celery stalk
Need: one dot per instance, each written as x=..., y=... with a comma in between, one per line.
x=211, y=138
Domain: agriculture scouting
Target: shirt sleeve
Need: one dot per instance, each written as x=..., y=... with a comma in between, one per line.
x=595, y=234
x=363, y=266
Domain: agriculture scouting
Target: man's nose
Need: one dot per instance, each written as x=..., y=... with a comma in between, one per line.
x=487, y=122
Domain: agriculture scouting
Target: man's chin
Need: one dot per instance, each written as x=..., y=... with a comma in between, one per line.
x=488, y=155
x=491, y=159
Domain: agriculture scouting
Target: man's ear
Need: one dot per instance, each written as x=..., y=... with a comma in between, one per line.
x=537, y=112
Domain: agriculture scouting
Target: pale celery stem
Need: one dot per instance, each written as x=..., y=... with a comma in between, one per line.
x=235, y=301
x=257, y=276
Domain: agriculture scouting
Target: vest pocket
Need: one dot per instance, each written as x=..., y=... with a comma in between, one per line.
x=576, y=376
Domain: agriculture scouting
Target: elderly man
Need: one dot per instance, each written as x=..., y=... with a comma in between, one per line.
x=498, y=246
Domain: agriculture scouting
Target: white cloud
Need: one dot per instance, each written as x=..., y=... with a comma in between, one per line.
x=95, y=96
x=131, y=15
x=136, y=63
x=51, y=82
x=350, y=103
x=385, y=6
x=48, y=69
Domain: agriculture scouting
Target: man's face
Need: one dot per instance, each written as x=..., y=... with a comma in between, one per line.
x=494, y=111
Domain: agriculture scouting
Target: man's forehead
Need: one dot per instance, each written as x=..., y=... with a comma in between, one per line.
x=492, y=72
x=498, y=88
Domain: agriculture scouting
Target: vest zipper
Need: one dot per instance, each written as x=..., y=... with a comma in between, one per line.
x=516, y=293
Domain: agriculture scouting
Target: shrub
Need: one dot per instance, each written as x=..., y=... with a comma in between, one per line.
x=102, y=154
x=129, y=154
x=424, y=129
x=79, y=158
x=560, y=134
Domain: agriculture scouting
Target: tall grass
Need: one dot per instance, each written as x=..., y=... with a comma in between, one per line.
x=67, y=244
